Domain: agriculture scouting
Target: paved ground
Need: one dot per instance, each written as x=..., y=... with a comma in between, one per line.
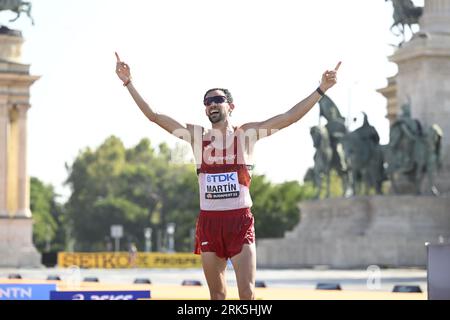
x=353, y=280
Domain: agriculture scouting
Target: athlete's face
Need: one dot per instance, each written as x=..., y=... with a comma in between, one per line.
x=217, y=107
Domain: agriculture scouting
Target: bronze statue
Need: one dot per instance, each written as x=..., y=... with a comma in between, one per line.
x=336, y=129
x=17, y=6
x=365, y=158
x=413, y=152
x=405, y=14
x=333, y=131
x=360, y=160
x=404, y=133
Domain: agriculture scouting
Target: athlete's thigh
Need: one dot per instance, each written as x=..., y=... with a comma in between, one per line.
x=214, y=269
x=244, y=264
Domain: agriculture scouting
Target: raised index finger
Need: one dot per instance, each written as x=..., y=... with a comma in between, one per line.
x=337, y=66
x=117, y=56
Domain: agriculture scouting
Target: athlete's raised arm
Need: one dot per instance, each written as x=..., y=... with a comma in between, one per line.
x=164, y=121
x=299, y=110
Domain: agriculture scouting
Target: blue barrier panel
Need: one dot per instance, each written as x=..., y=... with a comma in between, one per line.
x=99, y=295
x=25, y=291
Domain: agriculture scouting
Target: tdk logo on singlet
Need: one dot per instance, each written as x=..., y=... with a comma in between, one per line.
x=223, y=177
x=221, y=185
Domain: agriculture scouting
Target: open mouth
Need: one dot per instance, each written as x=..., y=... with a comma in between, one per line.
x=215, y=116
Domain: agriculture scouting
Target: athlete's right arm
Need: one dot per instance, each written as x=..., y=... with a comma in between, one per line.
x=167, y=123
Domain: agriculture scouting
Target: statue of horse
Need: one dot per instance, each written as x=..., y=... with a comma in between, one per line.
x=17, y=6
x=405, y=14
x=323, y=161
x=364, y=158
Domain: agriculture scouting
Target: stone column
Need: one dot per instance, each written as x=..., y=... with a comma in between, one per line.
x=390, y=93
x=4, y=121
x=24, y=180
x=436, y=16
x=16, y=223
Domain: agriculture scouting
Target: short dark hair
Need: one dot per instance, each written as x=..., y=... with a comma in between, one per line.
x=225, y=91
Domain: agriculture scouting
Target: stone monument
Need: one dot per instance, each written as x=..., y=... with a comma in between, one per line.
x=423, y=78
x=388, y=231
x=16, y=245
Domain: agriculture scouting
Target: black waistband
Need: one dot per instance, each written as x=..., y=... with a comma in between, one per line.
x=249, y=167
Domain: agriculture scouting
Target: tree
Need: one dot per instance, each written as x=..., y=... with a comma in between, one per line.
x=275, y=206
x=141, y=187
x=137, y=187
x=49, y=233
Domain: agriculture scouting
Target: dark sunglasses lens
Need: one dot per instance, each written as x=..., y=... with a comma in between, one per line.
x=217, y=99
x=220, y=99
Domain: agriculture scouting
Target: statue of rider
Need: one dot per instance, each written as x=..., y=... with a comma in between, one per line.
x=405, y=132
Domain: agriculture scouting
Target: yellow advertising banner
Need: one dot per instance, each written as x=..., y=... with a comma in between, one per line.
x=111, y=260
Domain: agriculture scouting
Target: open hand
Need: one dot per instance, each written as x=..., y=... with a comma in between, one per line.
x=122, y=70
x=329, y=78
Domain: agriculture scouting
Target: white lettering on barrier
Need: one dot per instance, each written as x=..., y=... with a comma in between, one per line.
x=15, y=293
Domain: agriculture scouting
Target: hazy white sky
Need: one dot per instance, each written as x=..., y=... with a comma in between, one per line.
x=270, y=54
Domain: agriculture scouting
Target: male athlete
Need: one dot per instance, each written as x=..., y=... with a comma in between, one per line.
x=225, y=225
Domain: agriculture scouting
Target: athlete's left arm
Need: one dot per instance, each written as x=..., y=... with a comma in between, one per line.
x=270, y=126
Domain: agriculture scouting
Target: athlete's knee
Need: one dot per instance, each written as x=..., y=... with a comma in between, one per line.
x=247, y=293
x=218, y=295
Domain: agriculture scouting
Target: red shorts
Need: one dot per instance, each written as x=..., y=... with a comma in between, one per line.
x=224, y=232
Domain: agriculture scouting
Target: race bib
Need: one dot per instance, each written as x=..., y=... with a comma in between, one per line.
x=221, y=185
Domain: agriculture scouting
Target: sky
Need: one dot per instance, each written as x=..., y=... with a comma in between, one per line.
x=269, y=53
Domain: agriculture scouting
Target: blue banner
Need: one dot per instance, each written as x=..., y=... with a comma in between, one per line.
x=25, y=291
x=99, y=295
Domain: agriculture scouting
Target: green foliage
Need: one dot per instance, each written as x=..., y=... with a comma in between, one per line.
x=140, y=187
x=336, y=189
x=48, y=217
x=137, y=188
x=275, y=207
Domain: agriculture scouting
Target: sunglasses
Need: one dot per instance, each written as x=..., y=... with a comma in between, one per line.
x=216, y=99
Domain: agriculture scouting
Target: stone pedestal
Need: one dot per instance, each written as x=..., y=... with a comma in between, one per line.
x=16, y=246
x=424, y=78
x=388, y=231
